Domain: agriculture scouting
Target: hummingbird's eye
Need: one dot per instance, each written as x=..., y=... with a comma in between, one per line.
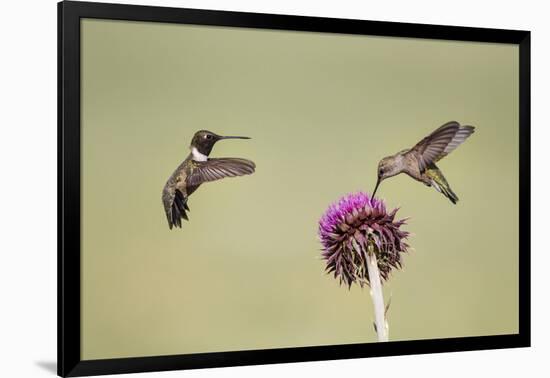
x=381, y=172
x=208, y=136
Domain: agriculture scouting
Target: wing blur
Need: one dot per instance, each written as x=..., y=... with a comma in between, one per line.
x=218, y=168
x=441, y=142
x=188, y=177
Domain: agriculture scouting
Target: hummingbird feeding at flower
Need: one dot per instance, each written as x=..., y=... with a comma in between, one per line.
x=196, y=169
x=419, y=161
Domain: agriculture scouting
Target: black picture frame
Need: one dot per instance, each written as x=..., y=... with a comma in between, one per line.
x=69, y=356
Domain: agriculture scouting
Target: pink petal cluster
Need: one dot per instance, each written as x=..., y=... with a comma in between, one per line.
x=349, y=227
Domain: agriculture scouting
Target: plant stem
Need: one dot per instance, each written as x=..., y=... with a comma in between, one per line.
x=377, y=295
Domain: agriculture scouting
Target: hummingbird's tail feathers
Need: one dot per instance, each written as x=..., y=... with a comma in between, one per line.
x=439, y=182
x=452, y=196
x=446, y=191
x=177, y=210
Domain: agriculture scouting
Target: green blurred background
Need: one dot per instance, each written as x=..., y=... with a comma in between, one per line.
x=322, y=109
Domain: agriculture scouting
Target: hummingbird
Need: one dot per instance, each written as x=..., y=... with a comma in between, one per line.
x=196, y=169
x=419, y=161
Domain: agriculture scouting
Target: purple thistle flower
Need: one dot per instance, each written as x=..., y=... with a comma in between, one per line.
x=352, y=226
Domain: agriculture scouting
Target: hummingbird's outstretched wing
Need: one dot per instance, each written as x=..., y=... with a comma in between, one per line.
x=187, y=178
x=218, y=168
x=440, y=143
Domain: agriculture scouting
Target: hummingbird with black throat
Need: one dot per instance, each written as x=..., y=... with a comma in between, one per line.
x=419, y=161
x=197, y=169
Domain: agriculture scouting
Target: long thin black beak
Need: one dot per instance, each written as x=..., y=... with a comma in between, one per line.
x=234, y=137
x=376, y=187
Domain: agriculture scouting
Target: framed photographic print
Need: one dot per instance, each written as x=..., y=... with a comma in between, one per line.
x=239, y=188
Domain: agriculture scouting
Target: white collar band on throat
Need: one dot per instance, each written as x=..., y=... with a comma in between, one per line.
x=197, y=156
